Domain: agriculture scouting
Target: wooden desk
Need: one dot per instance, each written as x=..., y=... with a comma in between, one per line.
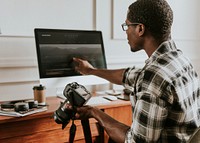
x=42, y=128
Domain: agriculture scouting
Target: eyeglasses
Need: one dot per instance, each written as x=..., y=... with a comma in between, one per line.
x=125, y=26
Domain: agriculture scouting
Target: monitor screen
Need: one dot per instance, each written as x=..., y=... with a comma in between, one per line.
x=56, y=48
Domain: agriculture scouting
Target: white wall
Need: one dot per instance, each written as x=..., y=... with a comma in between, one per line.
x=18, y=18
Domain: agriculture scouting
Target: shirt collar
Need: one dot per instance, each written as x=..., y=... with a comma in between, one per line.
x=164, y=47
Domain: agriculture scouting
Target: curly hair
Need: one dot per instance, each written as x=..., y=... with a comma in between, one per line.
x=156, y=15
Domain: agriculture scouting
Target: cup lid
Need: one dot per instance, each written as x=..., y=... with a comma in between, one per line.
x=40, y=87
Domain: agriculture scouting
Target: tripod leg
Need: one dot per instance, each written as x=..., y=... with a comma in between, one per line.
x=87, y=131
x=72, y=132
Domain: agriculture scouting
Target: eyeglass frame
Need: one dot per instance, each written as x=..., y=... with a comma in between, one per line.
x=127, y=25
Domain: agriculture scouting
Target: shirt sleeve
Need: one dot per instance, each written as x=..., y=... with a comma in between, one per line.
x=150, y=111
x=148, y=120
x=129, y=77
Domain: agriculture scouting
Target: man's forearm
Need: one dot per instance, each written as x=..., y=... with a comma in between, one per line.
x=114, y=76
x=115, y=130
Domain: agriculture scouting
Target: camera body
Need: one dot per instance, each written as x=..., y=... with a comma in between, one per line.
x=76, y=96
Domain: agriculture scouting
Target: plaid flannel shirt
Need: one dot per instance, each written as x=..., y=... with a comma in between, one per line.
x=165, y=98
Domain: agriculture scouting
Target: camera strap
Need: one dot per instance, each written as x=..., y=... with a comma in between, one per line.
x=72, y=132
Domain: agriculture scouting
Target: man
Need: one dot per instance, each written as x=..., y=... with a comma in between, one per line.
x=165, y=96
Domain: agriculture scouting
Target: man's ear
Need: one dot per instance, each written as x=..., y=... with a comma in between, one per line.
x=141, y=29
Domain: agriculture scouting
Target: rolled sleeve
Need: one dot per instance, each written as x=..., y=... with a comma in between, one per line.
x=129, y=77
x=148, y=120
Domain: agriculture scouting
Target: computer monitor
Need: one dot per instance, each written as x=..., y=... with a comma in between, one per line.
x=56, y=48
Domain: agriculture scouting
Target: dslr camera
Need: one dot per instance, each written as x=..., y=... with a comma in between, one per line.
x=76, y=96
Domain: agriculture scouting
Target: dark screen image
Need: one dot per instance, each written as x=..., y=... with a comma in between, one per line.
x=56, y=48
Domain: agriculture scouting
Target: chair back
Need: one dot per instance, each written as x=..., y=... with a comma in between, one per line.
x=195, y=138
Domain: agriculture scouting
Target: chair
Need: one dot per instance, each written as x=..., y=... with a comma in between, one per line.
x=195, y=138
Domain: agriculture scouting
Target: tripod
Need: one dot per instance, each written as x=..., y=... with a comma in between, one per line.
x=86, y=130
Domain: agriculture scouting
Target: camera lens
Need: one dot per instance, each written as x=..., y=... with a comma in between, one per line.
x=21, y=106
x=63, y=115
x=59, y=119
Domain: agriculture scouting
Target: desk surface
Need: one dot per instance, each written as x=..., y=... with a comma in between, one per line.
x=41, y=127
x=54, y=103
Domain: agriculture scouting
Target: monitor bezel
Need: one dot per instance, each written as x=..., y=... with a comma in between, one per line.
x=39, y=30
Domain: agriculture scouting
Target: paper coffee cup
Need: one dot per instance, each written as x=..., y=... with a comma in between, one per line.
x=39, y=94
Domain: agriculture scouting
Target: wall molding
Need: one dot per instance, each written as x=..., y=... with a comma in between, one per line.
x=16, y=36
x=16, y=62
x=18, y=75
x=124, y=62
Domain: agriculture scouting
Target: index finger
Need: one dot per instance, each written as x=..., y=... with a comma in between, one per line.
x=77, y=60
